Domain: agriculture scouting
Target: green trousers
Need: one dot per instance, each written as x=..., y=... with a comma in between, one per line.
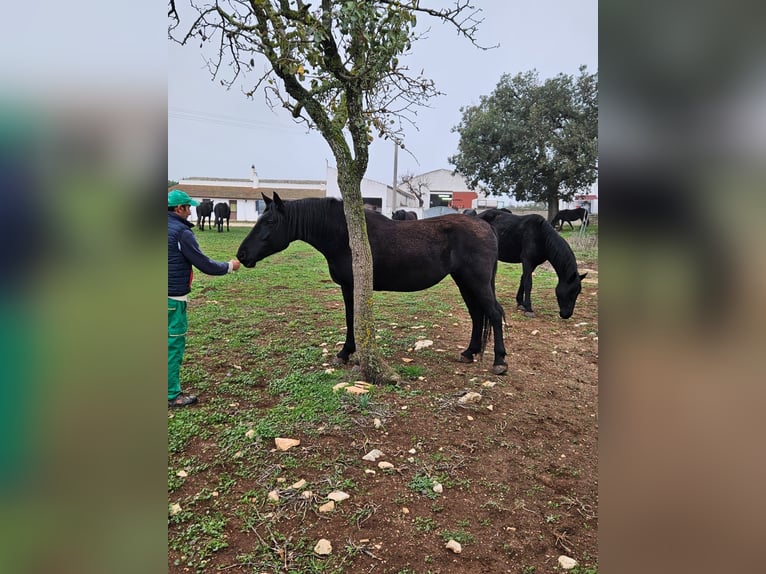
x=176, y=345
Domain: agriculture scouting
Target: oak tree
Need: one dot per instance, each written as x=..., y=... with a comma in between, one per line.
x=536, y=141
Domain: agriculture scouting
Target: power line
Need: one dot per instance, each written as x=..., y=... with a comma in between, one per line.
x=223, y=120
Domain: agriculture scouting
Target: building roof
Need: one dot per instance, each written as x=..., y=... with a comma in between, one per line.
x=239, y=192
x=250, y=181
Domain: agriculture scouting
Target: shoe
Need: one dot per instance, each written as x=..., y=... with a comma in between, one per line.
x=182, y=401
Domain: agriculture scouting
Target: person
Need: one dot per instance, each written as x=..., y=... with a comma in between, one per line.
x=183, y=253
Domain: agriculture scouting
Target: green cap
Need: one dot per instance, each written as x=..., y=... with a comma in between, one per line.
x=178, y=197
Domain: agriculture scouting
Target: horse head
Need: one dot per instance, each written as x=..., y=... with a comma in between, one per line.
x=269, y=235
x=567, y=292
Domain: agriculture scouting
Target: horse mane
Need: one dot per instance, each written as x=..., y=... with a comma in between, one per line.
x=315, y=216
x=560, y=254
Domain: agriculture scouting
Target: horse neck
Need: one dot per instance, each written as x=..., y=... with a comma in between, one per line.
x=315, y=221
x=560, y=255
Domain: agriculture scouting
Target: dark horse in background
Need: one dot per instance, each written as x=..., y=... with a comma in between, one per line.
x=568, y=216
x=531, y=240
x=222, y=211
x=204, y=211
x=406, y=256
x=402, y=215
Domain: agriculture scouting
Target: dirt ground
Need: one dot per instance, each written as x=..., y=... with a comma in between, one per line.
x=520, y=468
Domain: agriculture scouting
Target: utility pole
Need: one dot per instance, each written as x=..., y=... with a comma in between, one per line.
x=393, y=187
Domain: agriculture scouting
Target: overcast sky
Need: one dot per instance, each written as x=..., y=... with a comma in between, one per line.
x=214, y=132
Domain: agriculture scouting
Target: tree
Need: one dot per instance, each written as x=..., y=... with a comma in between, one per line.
x=536, y=141
x=334, y=67
x=418, y=187
x=171, y=183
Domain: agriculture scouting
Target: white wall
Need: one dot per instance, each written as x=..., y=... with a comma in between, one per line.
x=370, y=188
x=576, y=202
x=245, y=210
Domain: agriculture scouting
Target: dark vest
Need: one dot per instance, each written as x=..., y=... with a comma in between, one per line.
x=179, y=268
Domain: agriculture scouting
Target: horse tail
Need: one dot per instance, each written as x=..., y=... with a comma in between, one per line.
x=487, y=330
x=486, y=326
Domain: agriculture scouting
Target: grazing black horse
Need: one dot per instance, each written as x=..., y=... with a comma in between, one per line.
x=222, y=211
x=406, y=255
x=204, y=211
x=402, y=215
x=531, y=240
x=570, y=215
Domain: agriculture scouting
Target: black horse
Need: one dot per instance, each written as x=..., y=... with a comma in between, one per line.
x=474, y=213
x=569, y=215
x=204, y=211
x=407, y=256
x=531, y=240
x=222, y=211
x=402, y=215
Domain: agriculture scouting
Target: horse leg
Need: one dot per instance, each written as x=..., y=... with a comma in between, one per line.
x=477, y=318
x=524, y=295
x=496, y=316
x=499, y=366
x=483, y=307
x=349, y=346
x=520, y=297
x=489, y=310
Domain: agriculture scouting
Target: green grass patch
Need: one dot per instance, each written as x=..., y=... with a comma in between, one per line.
x=307, y=401
x=462, y=536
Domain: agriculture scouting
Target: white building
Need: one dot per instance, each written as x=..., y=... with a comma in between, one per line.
x=442, y=191
x=588, y=200
x=377, y=196
x=244, y=195
x=245, y=198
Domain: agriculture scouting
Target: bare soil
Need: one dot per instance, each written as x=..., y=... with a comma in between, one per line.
x=520, y=468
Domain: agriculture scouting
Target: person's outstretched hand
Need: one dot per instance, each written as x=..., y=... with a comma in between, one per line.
x=234, y=264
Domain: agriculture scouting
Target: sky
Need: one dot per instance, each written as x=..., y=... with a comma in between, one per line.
x=215, y=132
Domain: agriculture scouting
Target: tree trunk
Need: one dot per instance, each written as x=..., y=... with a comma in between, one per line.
x=553, y=203
x=373, y=368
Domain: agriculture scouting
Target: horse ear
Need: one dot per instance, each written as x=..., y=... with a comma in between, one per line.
x=582, y=276
x=278, y=201
x=266, y=198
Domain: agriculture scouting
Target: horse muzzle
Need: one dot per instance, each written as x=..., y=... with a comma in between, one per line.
x=245, y=259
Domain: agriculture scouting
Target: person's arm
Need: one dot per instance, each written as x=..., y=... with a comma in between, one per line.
x=191, y=250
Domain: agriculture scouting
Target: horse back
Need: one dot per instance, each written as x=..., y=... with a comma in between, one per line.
x=520, y=238
x=414, y=255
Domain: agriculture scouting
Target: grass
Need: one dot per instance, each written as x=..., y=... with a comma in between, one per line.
x=424, y=524
x=462, y=536
x=256, y=346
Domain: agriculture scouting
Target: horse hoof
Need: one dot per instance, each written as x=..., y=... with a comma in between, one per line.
x=500, y=369
x=463, y=359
